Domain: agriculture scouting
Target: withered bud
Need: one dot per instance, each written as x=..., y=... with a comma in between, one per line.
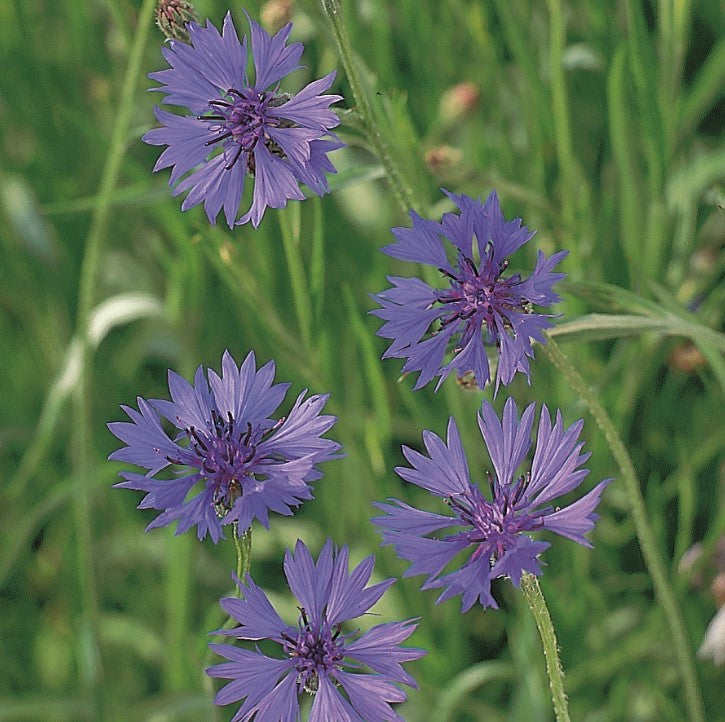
x=443, y=160
x=172, y=17
x=468, y=381
x=686, y=358
x=459, y=101
x=275, y=14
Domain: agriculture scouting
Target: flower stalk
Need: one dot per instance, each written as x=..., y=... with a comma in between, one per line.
x=642, y=525
x=537, y=604
x=403, y=194
x=243, y=545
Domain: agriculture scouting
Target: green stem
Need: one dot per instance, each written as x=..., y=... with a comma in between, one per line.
x=298, y=280
x=243, y=545
x=403, y=194
x=82, y=428
x=560, y=104
x=575, y=200
x=642, y=525
x=532, y=591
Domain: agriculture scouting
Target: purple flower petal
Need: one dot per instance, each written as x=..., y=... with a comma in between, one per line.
x=273, y=58
x=247, y=463
x=478, y=305
x=314, y=656
x=496, y=531
x=236, y=128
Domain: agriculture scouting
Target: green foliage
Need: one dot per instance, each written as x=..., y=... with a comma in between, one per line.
x=597, y=123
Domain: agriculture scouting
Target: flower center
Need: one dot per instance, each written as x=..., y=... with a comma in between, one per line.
x=225, y=456
x=240, y=121
x=496, y=523
x=317, y=650
x=481, y=295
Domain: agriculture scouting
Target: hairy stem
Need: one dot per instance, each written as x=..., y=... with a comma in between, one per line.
x=243, y=545
x=403, y=194
x=642, y=525
x=537, y=603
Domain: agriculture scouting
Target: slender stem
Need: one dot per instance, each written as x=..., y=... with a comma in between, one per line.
x=642, y=525
x=560, y=104
x=82, y=427
x=403, y=194
x=243, y=545
x=537, y=603
x=298, y=280
x=575, y=199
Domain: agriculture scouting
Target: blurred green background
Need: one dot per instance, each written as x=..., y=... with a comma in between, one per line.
x=600, y=124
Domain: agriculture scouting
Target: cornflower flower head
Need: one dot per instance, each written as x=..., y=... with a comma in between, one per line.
x=479, y=304
x=495, y=530
x=237, y=462
x=238, y=127
x=172, y=17
x=315, y=656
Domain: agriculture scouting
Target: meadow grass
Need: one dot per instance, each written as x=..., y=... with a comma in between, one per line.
x=597, y=123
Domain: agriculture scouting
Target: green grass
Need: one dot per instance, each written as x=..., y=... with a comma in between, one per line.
x=597, y=123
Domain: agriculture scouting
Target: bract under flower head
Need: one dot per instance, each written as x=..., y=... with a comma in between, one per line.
x=315, y=656
x=245, y=462
x=239, y=127
x=479, y=305
x=496, y=529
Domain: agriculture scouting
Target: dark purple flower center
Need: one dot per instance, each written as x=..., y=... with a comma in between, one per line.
x=240, y=121
x=495, y=524
x=317, y=650
x=479, y=296
x=226, y=455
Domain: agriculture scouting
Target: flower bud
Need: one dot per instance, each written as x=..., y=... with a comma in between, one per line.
x=172, y=17
x=459, y=101
x=686, y=358
x=443, y=160
x=276, y=14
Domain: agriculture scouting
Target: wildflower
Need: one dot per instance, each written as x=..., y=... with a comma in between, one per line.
x=238, y=127
x=315, y=655
x=496, y=531
x=238, y=462
x=479, y=305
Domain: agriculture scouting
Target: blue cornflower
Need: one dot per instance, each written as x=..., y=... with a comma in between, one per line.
x=479, y=306
x=315, y=656
x=495, y=530
x=239, y=127
x=239, y=463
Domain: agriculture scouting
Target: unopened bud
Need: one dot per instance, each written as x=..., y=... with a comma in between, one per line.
x=459, y=101
x=275, y=14
x=443, y=161
x=687, y=358
x=172, y=17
